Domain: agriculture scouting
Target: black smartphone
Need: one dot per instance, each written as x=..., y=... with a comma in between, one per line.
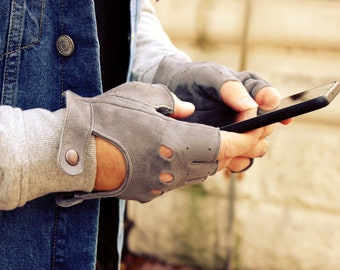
x=291, y=106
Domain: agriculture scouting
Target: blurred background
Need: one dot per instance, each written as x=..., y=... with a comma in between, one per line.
x=284, y=213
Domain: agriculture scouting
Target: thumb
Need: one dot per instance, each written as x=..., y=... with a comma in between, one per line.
x=236, y=96
x=182, y=109
x=268, y=98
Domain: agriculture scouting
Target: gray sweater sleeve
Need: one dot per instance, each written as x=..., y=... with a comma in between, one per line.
x=29, y=144
x=152, y=45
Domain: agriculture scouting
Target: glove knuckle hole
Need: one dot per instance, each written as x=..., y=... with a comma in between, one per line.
x=166, y=177
x=156, y=192
x=165, y=152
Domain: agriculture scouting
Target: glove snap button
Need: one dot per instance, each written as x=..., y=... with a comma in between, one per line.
x=72, y=157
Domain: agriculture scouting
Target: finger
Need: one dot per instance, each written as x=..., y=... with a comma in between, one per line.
x=235, y=165
x=268, y=98
x=267, y=131
x=182, y=108
x=235, y=144
x=235, y=95
x=259, y=151
x=240, y=164
x=244, y=115
x=287, y=121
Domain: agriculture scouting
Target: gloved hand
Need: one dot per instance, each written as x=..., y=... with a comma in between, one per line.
x=133, y=118
x=201, y=83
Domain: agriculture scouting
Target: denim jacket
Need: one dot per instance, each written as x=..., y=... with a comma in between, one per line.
x=47, y=47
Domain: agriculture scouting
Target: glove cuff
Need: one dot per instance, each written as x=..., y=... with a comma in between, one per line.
x=75, y=135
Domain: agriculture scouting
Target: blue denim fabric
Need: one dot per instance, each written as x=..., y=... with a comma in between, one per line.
x=41, y=234
x=34, y=74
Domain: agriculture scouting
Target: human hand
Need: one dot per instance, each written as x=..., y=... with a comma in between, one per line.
x=218, y=92
x=221, y=96
x=235, y=153
x=152, y=153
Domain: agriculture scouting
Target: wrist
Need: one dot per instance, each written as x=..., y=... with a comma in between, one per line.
x=111, y=166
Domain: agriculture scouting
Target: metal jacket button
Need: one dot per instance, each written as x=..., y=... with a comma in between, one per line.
x=65, y=45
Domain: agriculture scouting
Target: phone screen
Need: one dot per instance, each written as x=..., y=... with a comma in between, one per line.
x=291, y=106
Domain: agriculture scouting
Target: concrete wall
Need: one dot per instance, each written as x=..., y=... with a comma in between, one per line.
x=286, y=214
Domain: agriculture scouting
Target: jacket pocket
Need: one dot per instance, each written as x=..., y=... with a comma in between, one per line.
x=21, y=24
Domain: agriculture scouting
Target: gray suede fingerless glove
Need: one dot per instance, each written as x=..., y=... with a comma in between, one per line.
x=200, y=83
x=133, y=118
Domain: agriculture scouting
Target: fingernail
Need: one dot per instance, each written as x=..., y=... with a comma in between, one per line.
x=248, y=103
